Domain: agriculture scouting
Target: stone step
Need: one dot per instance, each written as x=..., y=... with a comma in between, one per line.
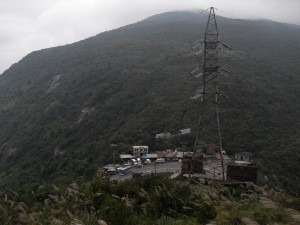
x=248, y=221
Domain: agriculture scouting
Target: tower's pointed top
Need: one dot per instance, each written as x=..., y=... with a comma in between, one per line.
x=211, y=27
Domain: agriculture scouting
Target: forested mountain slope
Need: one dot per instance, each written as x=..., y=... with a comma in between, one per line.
x=62, y=108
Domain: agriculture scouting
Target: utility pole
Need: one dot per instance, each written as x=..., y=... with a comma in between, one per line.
x=208, y=141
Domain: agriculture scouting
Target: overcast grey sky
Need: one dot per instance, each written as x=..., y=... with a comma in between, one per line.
x=28, y=25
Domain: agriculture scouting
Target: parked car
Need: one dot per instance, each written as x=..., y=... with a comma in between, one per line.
x=160, y=160
x=147, y=161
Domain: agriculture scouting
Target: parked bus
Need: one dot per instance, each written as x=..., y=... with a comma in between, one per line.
x=125, y=170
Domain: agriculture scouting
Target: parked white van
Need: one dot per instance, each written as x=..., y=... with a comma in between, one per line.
x=147, y=161
x=160, y=160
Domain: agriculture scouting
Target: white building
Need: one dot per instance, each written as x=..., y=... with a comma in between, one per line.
x=138, y=151
x=244, y=156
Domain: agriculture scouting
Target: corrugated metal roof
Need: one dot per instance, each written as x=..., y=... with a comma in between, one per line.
x=125, y=156
x=166, y=154
x=151, y=156
x=244, y=154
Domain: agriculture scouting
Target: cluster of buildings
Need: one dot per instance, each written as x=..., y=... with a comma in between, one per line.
x=238, y=168
x=142, y=152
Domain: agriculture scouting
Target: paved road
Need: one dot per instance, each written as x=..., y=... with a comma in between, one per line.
x=154, y=168
x=213, y=170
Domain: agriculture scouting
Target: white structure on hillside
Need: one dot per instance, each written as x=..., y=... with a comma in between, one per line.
x=173, y=133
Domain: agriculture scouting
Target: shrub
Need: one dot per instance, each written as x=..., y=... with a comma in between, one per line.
x=232, y=217
x=205, y=212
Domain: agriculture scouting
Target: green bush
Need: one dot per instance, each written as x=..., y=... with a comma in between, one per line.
x=261, y=217
x=266, y=216
x=205, y=212
x=232, y=217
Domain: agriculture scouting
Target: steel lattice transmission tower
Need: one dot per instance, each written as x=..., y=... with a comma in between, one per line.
x=207, y=152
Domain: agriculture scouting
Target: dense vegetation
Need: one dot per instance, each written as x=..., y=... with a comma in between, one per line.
x=62, y=108
x=148, y=200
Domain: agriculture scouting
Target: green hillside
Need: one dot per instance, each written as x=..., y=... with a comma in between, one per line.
x=62, y=108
